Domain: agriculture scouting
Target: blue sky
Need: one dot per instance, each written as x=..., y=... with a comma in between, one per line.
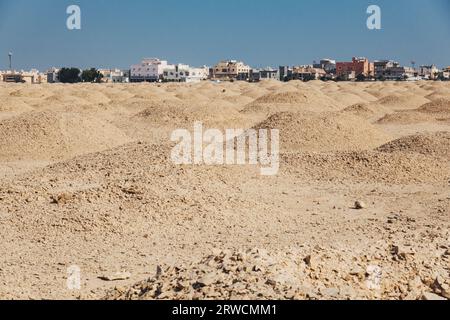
x=118, y=33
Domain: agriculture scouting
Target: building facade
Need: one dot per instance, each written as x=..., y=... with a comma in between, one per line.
x=429, y=72
x=184, y=73
x=355, y=68
x=381, y=67
x=391, y=70
x=256, y=75
x=284, y=73
x=445, y=74
x=149, y=70
x=52, y=75
x=115, y=75
x=33, y=77
x=328, y=65
x=229, y=70
x=306, y=73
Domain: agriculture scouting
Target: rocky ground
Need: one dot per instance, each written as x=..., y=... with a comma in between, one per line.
x=360, y=208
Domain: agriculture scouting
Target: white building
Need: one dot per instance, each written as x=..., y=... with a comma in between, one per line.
x=184, y=73
x=150, y=70
x=114, y=76
x=428, y=72
x=52, y=75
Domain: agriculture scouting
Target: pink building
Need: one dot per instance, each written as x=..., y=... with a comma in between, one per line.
x=358, y=66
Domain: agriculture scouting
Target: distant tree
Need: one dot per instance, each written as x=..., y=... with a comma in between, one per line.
x=309, y=77
x=91, y=75
x=361, y=77
x=69, y=75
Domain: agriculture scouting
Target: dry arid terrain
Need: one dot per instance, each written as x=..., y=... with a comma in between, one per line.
x=86, y=180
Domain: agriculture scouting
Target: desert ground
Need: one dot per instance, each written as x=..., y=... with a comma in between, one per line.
x=86, y=180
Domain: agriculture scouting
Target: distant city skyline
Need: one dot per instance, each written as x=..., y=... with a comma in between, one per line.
x=202, y=32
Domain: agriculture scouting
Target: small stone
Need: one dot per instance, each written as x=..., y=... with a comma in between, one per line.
x=116, y=276
x=357, y=271
x=359, y=205
x=206, y=280
x=62, y=198
x=307, y=260
x=401, y=252
x=431, y=296
x=330, y=292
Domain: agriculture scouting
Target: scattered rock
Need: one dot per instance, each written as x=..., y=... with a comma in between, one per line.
x=116, y=276
x=360, y=205
x=62, y=198
x=330, y=292
x=431, y=296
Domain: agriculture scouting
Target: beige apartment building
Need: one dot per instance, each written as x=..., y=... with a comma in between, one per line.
x=33, y=76
x=231, y=69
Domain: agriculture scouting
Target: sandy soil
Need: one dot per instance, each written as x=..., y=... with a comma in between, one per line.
x=86, y=180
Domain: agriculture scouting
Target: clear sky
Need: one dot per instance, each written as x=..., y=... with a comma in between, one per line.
x=118, y=33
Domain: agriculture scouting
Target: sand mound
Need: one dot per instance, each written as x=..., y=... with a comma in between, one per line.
x=163, y=112
x=367, y=166
x=434, y=144
x=402, y=101
x=283, y=98
x=366, y=110
x=404, y=117
x=175, y=115
x=50, y=136
x=437, y=106
x=323, y=132
x=9, y=104
x=360, y=109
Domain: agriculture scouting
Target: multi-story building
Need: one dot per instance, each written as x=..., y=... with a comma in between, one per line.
x=149, y=70
x=12, y=76
x=268, y=73
x=445, y=74
x=399, y=73
x=355, y=68
x=33, y=76
x=328, y=65
x=428, y=72
x=185, y=73
x=391, y=70
x=52, y=75
x=115, y=75
x=381, y=67
x=307, y=72
x=284, y=73
x=229, y=70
